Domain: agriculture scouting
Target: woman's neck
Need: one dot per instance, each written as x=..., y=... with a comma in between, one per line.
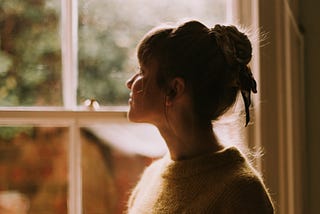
x=186, y=141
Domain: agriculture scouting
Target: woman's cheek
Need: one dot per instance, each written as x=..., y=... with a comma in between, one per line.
x=137, y=86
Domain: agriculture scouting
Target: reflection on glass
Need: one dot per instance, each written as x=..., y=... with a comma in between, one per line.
x=109, y=32
x=30, y=53
x=113, y=157
x=33, y=170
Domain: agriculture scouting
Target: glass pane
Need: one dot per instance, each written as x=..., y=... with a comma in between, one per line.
x=33, y=170
x=30, y=53
x=113, y=157
x=109, y=32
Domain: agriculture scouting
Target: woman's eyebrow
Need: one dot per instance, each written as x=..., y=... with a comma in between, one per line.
x=142, y=70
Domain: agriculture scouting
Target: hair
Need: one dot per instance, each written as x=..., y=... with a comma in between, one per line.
x=212, y=61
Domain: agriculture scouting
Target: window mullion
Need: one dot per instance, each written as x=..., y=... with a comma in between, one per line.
x=69, y=43
x=75, y=172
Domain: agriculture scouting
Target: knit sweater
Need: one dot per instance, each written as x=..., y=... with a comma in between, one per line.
x=222, y=182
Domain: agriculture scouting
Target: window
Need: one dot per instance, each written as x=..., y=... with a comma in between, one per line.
x=57, y=152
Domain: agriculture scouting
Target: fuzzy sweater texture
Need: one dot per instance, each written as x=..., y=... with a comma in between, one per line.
x=222, y=182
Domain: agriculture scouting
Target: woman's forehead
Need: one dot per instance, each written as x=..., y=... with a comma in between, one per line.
x=149, y=66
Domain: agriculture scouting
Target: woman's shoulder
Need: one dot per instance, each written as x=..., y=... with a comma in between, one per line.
x=247, y=194
x=154, y=168
x=246, y=190
x=243, y=174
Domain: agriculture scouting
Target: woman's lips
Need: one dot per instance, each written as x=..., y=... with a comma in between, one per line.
x=130, y=98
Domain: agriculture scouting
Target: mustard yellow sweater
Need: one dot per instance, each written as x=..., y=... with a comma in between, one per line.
x=223, y=182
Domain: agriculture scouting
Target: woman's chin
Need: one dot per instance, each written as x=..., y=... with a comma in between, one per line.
x=132, y=117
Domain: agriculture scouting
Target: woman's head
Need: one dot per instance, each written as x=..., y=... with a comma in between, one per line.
x=211, y=61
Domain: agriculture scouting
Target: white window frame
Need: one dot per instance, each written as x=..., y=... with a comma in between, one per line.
x=69, y=44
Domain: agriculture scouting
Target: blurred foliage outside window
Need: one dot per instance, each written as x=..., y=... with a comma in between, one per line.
x=30, y=53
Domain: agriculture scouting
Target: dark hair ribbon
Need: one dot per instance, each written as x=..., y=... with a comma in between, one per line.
x=238, y=55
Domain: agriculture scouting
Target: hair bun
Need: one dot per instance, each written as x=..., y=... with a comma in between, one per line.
x=234, y=44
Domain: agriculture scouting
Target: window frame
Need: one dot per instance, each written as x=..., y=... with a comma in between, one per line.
x=72, y=119
x=70, y=115
x=69, y=52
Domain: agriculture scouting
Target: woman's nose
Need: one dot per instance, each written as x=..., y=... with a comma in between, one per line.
x=130, y=81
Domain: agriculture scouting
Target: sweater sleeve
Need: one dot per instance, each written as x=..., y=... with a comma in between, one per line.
x=246, y=196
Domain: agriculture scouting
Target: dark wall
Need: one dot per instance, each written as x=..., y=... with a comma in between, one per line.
x=309, y=11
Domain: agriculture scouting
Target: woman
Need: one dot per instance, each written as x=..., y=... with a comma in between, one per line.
x=189, y=76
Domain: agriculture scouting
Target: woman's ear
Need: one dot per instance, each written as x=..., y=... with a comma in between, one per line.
x=176, y=89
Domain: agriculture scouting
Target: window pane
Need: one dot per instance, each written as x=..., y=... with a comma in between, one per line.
x=109, y=32
x=33, y=170
x=113, y=157
x=30, y=53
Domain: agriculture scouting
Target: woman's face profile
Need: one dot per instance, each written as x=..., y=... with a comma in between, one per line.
x=146, y=102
